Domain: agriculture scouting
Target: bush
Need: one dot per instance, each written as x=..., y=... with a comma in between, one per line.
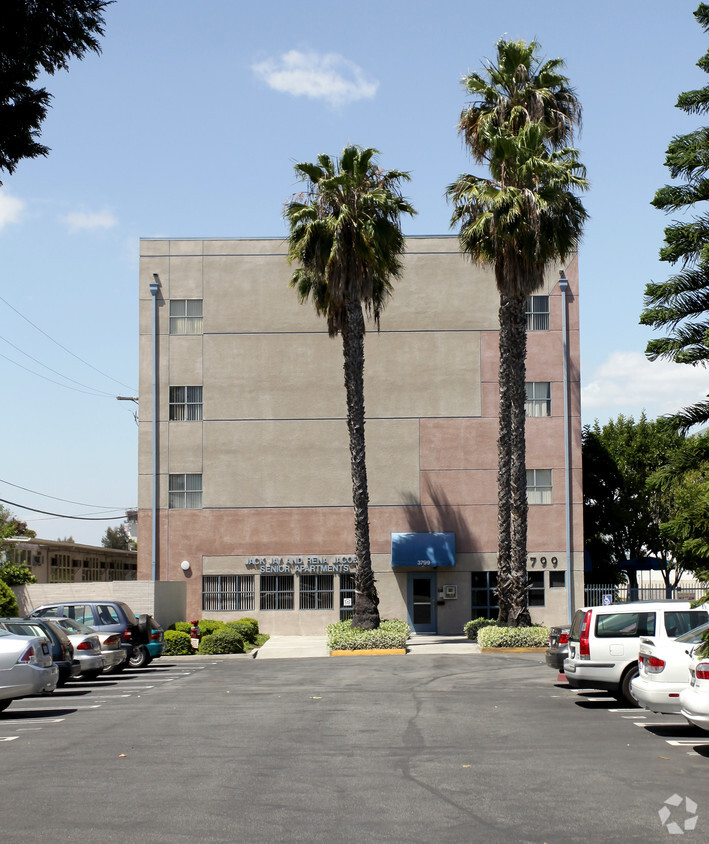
x=181, y=627
x=177, y=643
x=209, y=625
x=536, y=636
x=247, y=627
x=8, y=601
x=225, y=640
x=390, y=635
x=15, y=574
x=472, y=628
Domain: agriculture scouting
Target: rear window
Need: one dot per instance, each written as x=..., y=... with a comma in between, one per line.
x=679, y=622
x=130, y=615
x=619, y=625
x=46, y=612
x=107, y=614
x=575, y=632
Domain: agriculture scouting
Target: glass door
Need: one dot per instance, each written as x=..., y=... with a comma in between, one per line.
x=422, y=602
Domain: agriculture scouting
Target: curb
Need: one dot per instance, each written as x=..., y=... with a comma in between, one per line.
x=371, y=652
x=513, y=650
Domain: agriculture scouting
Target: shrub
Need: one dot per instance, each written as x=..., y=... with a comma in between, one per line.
x=209, y=625
x=15, y=574
x=8, y=601
x=390, y=635
x=225, y=640
x=247, y=627
x=514, y=637
x=177, y=643
x=181, y=627
x=472, y=628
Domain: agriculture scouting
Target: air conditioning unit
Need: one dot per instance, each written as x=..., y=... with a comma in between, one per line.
x=37, y=560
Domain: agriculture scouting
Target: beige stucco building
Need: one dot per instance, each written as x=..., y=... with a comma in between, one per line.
x=251, y=471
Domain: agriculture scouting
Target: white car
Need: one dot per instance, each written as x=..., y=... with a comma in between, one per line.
x=664, y=671
x=694, y=699
x=112, y=654
x=604, y=642
x=26, y=667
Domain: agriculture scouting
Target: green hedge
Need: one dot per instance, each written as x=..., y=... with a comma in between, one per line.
x=472, y=628
x=390, y=635
x=247, y=627
x=225, y=640
x=181, y=627
x=8, y=601
x=177, y=643
x=514, y=637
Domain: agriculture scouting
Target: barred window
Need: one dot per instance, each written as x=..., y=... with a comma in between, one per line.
x=185, y=492
x=185, y=316
x=538, y=401
x=539, y=486
x=537, y=313
x=185, y=404
x=535, y=588
x=277, y=592
x=348, y=596
x=60, y=570
x=228, y=592
x=484, y=595
x=317, y=591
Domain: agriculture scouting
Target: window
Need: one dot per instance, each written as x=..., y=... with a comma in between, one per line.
x=91, y=570
x=317, y=591
x=535, y=588
x=60, y=570
x=185, y=316
x=228, y=592
x=347, y=596
x=185, y=492
x=484, y=598
x=681, y=622
x=621, y=624
x=539, y=486
x=538, y=402
x=537, y=313
x=277, y=592
x=185, y=404
x=557, y=579
x=79, y=612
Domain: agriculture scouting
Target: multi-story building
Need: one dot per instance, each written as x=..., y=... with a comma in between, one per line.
x=245, y=488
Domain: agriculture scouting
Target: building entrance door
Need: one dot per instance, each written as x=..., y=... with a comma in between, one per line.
x=421, y=602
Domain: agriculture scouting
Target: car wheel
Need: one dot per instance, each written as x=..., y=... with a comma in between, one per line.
x=92, y=675
x=139, y=658
x=625, y=689
x=5, y=703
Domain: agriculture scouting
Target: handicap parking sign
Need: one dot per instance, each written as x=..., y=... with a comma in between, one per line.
x=607, y=600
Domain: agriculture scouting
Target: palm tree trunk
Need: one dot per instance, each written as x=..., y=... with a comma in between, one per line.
x=504, y=465
x=519, y=613
x=366, y=613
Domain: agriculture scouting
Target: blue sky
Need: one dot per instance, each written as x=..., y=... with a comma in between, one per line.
x=188, y=125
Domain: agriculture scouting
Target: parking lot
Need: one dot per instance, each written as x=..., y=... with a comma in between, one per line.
x=439, y=748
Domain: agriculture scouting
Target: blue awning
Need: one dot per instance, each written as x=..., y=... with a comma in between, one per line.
x=422, y=550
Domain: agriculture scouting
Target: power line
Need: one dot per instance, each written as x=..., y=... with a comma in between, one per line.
x=27, y=355
x=62, y=516
x=68, y=351
x=52, y=381
x=65, y=500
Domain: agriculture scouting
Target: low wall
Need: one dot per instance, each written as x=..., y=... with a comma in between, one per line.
x=164, y=600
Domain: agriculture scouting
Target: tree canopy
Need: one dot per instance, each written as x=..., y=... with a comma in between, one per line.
x=118, y=538
x=38, y=36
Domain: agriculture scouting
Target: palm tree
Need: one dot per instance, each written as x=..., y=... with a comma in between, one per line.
x=345, y=235
x=520, y=221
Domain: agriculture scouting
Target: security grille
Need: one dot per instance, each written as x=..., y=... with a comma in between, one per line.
x=228, y=592
x=347, y=596
x=277, y=592
x=317, y=592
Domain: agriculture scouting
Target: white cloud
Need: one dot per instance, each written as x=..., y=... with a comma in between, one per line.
x=628, y=383
x=11, y=209
x=326, y=76
x=80, y=220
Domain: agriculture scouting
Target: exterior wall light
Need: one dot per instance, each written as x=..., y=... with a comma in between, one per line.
x=184, y=565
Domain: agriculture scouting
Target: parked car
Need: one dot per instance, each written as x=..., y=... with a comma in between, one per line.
x=664, y=671
x=87, y=648
x=114, y=656
x=61, y=647
x=112, y=617
x=694, y=699
x=604, y=642
x=26, y=667
x=558, y=646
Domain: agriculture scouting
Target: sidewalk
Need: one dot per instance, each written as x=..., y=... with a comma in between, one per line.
x=294, y=647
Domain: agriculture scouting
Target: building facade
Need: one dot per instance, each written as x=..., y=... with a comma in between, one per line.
x=244, y=472
x=70, y=562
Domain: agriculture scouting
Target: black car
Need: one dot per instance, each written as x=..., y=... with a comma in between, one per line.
x=62, y=649
x=558, y=646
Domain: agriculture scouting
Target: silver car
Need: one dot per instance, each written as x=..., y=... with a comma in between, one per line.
x=26, y=667
x=114, y=656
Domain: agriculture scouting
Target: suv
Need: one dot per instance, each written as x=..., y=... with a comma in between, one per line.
x=141, y=637
x=604, y=641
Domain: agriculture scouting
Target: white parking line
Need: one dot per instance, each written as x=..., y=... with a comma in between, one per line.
x=52, y=706
x=688, y=742
x=623, y=710
x=8, y=738
x=44, y=721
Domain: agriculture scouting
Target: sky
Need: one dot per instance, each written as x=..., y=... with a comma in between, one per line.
x=188, y=125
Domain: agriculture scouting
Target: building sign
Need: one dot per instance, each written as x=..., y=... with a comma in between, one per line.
x=336, y=564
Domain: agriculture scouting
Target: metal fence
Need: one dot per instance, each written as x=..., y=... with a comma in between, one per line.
x=595, y=595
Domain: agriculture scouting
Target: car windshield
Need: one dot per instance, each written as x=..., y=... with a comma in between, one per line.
x=25, y=628
x=72, y=626
x=694, y=636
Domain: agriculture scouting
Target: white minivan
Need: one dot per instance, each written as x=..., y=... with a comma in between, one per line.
x=604, y=641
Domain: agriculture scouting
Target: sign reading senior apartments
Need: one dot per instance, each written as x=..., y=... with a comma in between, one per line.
x=303, y=565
